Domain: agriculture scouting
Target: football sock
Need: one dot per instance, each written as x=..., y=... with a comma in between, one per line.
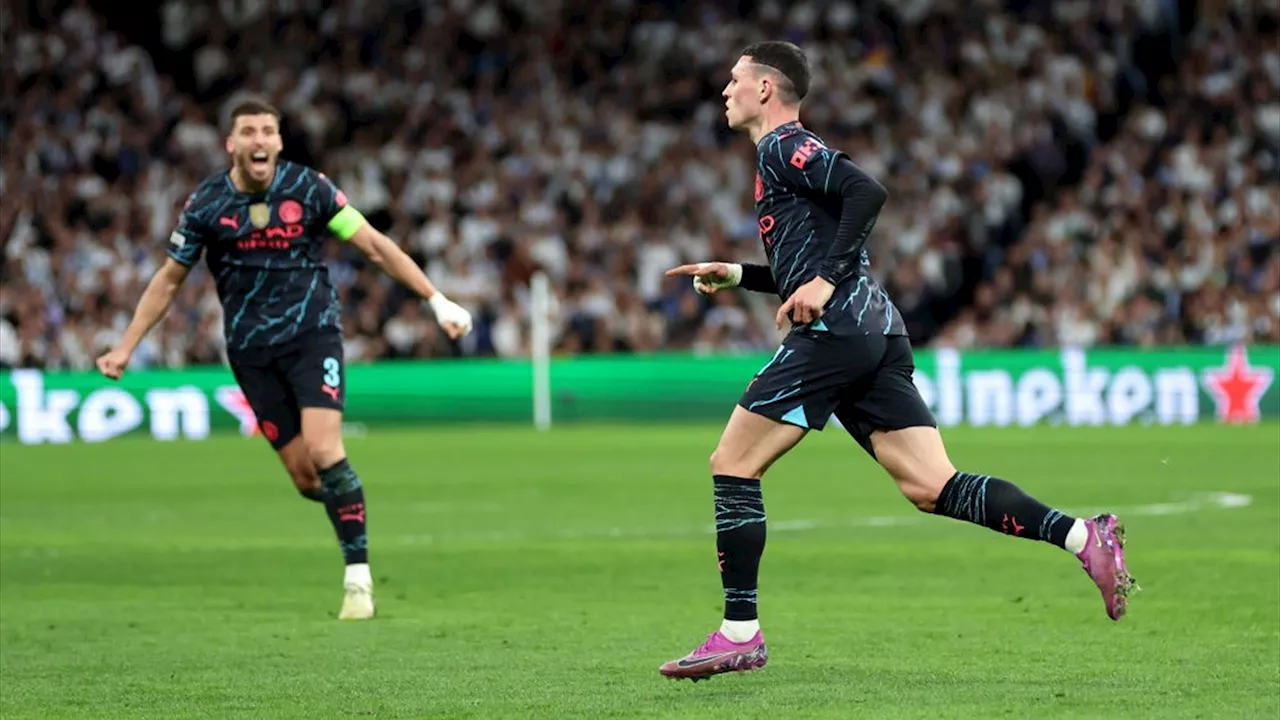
x=1003, y=507
x=739, y=631
x=358, y=574
x=317, y=494
x=344, y=502
x=740, y=536
x=1077, y=537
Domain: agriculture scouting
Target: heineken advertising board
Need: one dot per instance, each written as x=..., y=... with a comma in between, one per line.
x=1167, y=386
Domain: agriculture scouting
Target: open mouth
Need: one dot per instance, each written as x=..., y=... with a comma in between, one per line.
x=259, y=161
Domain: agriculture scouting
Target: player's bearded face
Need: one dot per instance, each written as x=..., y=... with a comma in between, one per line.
x=255, y=145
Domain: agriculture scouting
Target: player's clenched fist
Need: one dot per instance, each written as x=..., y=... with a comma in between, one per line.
x=708, y=277
x=112, y=364
x=454, y=318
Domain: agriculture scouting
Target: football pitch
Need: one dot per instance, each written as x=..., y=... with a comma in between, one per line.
x=522, y=575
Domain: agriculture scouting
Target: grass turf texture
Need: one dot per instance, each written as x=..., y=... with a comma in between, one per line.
x=522, y=575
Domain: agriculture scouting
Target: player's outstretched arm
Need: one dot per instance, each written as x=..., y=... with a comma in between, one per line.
x=710, y=277
x=153, y=305
x=383, y=252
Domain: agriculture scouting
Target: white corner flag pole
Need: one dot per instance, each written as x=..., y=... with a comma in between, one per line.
x=540, y=349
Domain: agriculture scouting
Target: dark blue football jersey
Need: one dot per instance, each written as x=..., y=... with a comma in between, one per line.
x=264, y=252
x=799, y=209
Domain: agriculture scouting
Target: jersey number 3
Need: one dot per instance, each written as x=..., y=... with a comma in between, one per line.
x=332, y=372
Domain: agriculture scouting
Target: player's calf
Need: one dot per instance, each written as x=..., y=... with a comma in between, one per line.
x=341, y=488
x=344, y=499
x=344, y=502
x=749, y=445
x=918, y=462
x=343, y=495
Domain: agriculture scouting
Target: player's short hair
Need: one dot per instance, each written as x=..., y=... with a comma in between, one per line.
x=790, y=63
x=250, y=106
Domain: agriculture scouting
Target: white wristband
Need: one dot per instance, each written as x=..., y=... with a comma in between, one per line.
x=437, y=301
x=701, y=283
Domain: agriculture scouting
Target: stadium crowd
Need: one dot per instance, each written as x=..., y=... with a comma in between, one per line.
x=1070, y=173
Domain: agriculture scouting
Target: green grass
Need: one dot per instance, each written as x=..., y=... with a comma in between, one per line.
x=530, y=576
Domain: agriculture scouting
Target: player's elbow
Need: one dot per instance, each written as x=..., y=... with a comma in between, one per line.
x=859, y=188
x=872, y=193
x=863, y=196
x=373, y=245
x=881, y=193
x=376, y=256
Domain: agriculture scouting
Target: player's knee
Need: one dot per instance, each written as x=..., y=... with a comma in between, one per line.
x=921, y=483
x=324, y=450
x=715, y=462
x=734, y=465
x=302, y=472
x=304, y=476
x=917, y=461
x=924, y=495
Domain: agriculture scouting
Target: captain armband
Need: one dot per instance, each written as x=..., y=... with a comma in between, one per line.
x=346, y=223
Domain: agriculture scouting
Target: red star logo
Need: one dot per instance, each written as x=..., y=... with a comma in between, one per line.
x=1237, y=388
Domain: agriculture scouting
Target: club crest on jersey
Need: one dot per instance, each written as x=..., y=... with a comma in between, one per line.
x=290, y=211
x=259, y=215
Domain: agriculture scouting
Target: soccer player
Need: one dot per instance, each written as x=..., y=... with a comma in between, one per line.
x=261, y=226
x=847, y=354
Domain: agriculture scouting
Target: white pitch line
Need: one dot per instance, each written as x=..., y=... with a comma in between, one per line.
x=1196, y=503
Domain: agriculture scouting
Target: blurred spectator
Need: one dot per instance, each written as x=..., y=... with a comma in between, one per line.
x=1060, y=173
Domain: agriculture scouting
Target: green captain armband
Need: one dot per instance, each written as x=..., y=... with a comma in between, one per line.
x=346, y=222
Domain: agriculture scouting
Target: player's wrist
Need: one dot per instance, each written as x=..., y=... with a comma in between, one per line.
x=731, y=278
x=128, y=345
x=437, y=300
x=830, y=276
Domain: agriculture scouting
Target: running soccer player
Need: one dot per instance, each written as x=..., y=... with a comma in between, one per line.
x=847, y=354
x=261, y=226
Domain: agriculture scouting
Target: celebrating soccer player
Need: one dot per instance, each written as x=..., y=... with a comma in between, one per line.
x=261, y=226
x=847, y=354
